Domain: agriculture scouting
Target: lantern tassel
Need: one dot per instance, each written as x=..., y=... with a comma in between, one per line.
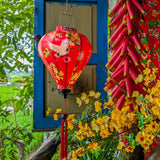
x=64, y=141
x=64, y=129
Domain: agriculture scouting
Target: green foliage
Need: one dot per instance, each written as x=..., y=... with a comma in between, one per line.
x=24, y=130
x=108, y=149
x=152, y=24
x=16, y=53
x=16, y=31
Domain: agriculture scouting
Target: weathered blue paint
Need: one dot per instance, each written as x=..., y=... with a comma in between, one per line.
x=82, y=1
x=39, y=121
x=74, y=2
x=102, y=14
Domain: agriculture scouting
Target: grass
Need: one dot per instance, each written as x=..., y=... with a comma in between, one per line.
x=7, y=92
x=15, y=77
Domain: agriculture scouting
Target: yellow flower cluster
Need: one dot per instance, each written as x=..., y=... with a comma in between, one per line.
x=129, y=148
x=147, y=135
x=70, y=120
x=101, y=126
x=122, y=119
x=93, y=146
x=86, y=98
x=84, y=131
x=148, y=76
x=120, y=146
x=98, y=105
x=108, y=104
x=57, y=114
x=78, y=153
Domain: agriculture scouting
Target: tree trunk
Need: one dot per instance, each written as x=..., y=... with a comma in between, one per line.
x=155, y=154
x=47, y=150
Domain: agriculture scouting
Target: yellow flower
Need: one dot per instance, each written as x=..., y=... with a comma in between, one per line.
x=147, y=78
x=55, y=116
x=80, y=151
x=155, y=70
x=131, y=116
x=140, y=138
x=149, y=98
x=84, y=131
x=108, y=104
x=70, y=125
x=105, y=119
x=74, y=159
x=139, y=78
x=91, y=93
x=71, y=118
x=100, y=121
x=86, y=101
x=105, y=133
x=135, y=94
x=74, y=154
x=115, y=112
x=147, y=71
x=120, y=145
x=145, y=146
x=58, y=110
x=153, y=127
x=97, y=94
x=94, y=125
x=150, y=137
x=79, y=101
x=155, y=110
x=84, y=96
x=129, y=149
x=152, y=77
x=93, y=146
x=97, y=106
x=125, y=109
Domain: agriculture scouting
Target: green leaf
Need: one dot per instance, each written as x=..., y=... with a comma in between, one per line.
x=132, y=142
x=139, y=115
x=96, y=152
x=147, y=119
x=28, y=111
x=144, y=40
x=157, y=132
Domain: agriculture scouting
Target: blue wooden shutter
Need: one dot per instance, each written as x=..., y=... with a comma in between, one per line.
x=40, y=122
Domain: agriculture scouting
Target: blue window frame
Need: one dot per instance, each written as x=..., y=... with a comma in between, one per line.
x=40, y=122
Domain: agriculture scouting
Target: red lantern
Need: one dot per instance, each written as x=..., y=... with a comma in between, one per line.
x=65, y=53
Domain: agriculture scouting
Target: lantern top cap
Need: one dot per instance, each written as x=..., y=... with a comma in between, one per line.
x=60, y=28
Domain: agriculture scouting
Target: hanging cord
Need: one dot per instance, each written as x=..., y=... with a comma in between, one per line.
x=67, y=10
x=66, y=13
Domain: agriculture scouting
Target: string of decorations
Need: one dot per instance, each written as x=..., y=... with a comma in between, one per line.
x=127, y=56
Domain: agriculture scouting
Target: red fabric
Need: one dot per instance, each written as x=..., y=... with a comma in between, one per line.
x=65, y=53
x=151, y=30
x=64, y=141
x=151, y=40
